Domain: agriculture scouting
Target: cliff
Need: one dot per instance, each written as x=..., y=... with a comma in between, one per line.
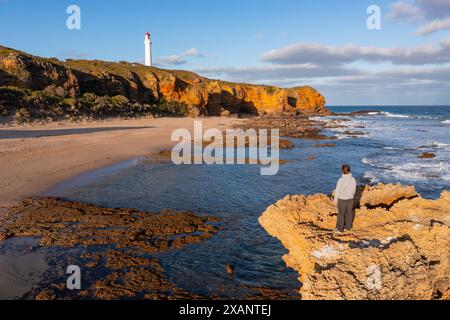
x=399, y=247
x=82, y=87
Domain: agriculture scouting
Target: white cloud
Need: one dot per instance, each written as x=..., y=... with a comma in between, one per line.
x=405, y=11
x=419, y=11
x=430, y=15
x=434, y=8
x=72, y=54
x=434, y=26
x=380, y=75
x=269, y=72
x=193, y=52
x=288, y=75
x=399, y=85
x=316, y=53
x=178, y=59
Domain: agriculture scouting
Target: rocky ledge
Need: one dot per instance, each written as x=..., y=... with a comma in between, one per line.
x=399, y=247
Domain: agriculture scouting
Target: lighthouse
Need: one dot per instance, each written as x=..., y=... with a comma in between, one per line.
x=148, y=50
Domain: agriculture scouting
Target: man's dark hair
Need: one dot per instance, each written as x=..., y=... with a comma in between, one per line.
x=346, y=169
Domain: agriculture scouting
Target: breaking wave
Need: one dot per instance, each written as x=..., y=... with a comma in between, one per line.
x=439, y=145
x=394, y=115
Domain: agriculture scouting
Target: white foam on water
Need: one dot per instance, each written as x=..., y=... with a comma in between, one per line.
x=342, y=136
x=426, y=117
x=446, y=122
x=439, y=145
x=321, y=119
x=421, y=171
x=371, y=176
x=376, y=164
x=394, y=115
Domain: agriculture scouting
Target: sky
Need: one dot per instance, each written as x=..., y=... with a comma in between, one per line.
x=326, y=44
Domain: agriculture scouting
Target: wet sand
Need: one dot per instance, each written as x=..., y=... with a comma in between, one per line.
x=35, y=157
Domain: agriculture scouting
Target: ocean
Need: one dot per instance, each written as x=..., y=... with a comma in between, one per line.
x=388, y=151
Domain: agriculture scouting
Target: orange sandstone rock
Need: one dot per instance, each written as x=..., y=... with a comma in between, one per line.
x=398, y=249
x=148, y=85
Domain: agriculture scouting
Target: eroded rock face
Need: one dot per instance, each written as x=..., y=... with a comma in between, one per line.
x=147, y=85
x=399, y=247
x=386, y=195
x=24, y=71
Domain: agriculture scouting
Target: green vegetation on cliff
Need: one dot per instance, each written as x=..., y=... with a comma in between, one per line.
x=26, y=105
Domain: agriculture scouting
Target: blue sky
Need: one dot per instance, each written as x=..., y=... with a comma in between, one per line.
x=284, y=42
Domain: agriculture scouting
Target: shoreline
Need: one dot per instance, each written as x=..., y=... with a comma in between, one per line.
x=38, y=157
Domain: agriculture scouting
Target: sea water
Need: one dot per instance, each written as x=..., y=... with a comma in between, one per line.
x=389, y=150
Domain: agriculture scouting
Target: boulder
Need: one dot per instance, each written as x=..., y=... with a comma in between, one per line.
x=427, y=155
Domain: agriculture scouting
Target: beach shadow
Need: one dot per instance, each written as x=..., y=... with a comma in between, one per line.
x=24, y=134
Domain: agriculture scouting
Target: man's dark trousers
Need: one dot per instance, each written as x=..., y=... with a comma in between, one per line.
x=346, y=215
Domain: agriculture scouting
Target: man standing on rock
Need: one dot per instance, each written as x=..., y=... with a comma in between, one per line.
x=344, y=199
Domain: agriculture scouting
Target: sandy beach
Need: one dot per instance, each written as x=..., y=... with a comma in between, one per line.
x=35, y=157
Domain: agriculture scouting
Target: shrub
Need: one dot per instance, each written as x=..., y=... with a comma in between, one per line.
x=271, y=90
x=120, y=100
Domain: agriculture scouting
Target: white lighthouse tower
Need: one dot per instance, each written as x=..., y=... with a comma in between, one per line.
x=148, y=50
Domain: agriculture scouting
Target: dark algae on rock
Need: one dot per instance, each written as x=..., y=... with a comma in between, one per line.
x=115, y=247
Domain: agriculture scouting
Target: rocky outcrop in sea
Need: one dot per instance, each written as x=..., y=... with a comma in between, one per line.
x=399, y=247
